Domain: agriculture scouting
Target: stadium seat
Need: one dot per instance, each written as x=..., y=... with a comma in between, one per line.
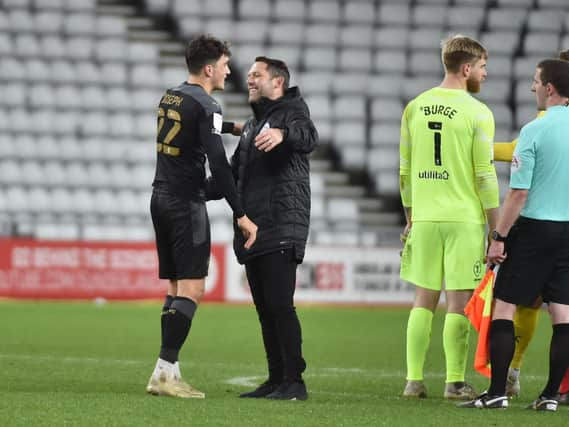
x=465, y=18
x=495, y=90
x=17, y=200
x=501, y=42
x=385, y=85
x=510, y=19
x=545, y=44
x=382, y=134
x=55, y=174
x=294, y=10
x=290, y=33
x=316, y=82
x=425, y=63
x=548, y=20
x=426, y=39
x=525, y=113
x=254, y=9
x=349, y=133
x=320, y=106
x=218, y=8
x=394, y=14
x=20, y=21
x=383, y=159
x=351, y=83
x=359, y=12
x=355, y=59
x=386, y=110
x=322, y=34
x=428, y=15
x=79, y=24
x=391, y=37
x=328, y=10
x=187, y=7
x=552, y=4
x=357, y=36
x=50, y=22
x=524, y=67
x=316, y=58
x=348, y=107
x=80, y=5
x=523, y=93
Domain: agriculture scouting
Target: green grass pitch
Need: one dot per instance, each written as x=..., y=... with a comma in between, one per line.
x=81, y=364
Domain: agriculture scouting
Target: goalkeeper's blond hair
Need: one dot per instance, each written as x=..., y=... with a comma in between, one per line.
x=458, y=50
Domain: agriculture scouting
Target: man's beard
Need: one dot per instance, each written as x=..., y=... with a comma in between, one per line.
x=473, y=85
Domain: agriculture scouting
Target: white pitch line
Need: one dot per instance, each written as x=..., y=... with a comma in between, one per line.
x=245, y=380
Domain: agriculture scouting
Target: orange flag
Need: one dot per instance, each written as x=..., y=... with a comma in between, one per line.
x=479, y=312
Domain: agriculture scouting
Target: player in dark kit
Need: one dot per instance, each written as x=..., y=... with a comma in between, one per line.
x=189, y=127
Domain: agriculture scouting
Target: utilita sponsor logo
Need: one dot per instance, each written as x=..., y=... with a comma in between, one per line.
x=434, y=175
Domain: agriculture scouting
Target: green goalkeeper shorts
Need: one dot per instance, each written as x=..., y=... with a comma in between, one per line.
x=452, y=252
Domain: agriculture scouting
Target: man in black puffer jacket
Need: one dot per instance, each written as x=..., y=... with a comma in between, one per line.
x=271, y=169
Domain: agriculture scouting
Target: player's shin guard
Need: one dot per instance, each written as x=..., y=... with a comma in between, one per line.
x=178, y=323
x=455, y=342
x=525, y=323
x=418, y=339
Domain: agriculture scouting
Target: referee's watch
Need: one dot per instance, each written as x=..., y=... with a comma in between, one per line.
x=498, y=237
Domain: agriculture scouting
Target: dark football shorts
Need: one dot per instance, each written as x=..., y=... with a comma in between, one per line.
x=537, y=263
x=182, y=236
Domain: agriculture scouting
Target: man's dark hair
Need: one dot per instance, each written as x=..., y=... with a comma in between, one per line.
x=276, y=68
x=556, y=72
x=204, y=50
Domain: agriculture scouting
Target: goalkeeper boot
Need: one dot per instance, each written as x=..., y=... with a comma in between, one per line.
x=459, y=391
x=513, y=384
x=415, y=389
x=152, y=386
x=486, y=401
x=169, y=385
x=543, y=404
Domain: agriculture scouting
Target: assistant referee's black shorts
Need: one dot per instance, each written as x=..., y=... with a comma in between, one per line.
x=537, y=263
x=182, y=236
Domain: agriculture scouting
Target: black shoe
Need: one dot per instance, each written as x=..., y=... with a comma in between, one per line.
x=486, y=401
x=543, y=404
x=261, y=391
x=290, y=390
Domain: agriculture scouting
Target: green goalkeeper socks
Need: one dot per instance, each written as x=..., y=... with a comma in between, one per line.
x=418, y=339
x=455, y=342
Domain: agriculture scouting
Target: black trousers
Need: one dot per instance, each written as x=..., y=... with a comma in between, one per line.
x=272, y=279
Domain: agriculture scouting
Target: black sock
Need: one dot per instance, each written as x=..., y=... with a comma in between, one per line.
x=167, y=303
x=558, y=359
x=502, y=345
x=178, y=323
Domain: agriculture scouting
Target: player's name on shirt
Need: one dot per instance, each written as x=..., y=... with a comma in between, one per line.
x=438, y=109
x=170, y=99
x=443, y=175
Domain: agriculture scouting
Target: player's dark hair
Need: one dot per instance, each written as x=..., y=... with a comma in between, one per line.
x=556, y=72
x=276, y=68
x=204, y=50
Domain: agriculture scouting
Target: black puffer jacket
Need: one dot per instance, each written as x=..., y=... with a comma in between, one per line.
x=274, y=186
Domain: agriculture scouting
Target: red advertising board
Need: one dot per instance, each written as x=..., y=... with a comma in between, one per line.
x=84, y=270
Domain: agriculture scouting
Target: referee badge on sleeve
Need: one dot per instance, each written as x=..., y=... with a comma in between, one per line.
x=217, y=123
x=516, y=163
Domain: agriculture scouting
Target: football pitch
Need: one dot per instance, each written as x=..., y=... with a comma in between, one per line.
x=81, y=364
